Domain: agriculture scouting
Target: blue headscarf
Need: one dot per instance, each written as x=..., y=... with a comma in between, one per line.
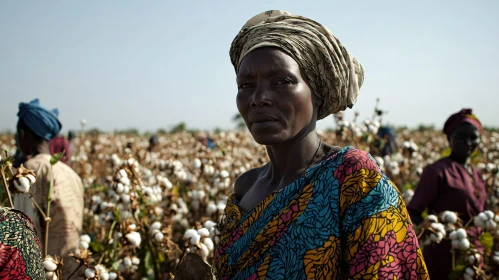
x=42, y=122
x=385, y=130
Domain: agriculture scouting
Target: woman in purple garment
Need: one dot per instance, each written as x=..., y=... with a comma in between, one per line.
x=451, y=184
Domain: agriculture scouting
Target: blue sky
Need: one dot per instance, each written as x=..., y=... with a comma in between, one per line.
x=151, y=64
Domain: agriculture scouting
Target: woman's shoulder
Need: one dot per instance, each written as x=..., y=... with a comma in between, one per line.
x=246, y=180
x=439, y=166
x=351, y=159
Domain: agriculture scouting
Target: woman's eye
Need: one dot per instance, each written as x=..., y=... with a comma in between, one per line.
x=283, y=82
x=244, y=86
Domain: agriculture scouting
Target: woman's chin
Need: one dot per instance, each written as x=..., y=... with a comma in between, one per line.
x=268, y=139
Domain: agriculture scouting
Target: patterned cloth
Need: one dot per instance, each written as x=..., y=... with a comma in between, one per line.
x=332, y=73
x=342, y=219
x=66, y=209
x=20, y=249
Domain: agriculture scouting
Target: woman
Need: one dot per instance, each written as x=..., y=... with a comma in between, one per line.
x=315, y=211
x=451, y=184
x=20, y=251
x=36, y=127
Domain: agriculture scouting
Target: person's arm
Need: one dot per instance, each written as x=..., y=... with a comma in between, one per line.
x=426, y=193
x=378, y=238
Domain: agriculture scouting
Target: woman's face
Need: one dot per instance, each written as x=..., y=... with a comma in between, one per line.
x=464, y=140
x=273, y=98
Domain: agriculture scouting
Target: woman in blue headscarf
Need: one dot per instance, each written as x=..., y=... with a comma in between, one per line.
x=35, y=128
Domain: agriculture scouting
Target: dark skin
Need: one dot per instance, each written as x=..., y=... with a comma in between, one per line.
x=31, y=144
x=280, y=111
x=463, y=142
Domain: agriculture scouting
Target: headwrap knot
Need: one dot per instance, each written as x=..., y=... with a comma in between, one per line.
x=333, y=74
x=42, y=122
x=463, y=116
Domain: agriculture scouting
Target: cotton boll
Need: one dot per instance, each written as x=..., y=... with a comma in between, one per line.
x=134, y=238
x=221, y=206
x=490, y=215
x=496, y=259
x=155, y=225
x=434, y=237
x=190, y=233
x=483, y=217
x=438, y=227
x=100, y=268
x=195, y=239
x=490, y=224
x=125, y=198
x=84, y=245
x=209, y=224
x=455, y=243
x=103, y=206
x=89, y=273
x=159, y=236
x=135, y=261
x=461, y=233
x=196, y=163
x=85, y=238
x=479, y=222
x=464, y=244
x=50, y=275
x=104, y=276
x=453, y=235
x=122, y=173
x=22, y=185
x=209, y=243
x=473, y=259
x=49, y=264
x=204, y=232
x=125, y=181
x=205, y=252
x=432, y=218
x=224, y=174
x=113, y=276
x=211, y=208
x=469, y=271
x=127, y=262
x=31, y=178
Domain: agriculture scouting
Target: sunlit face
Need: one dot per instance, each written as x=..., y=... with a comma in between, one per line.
x=273, y=98
x=464, y=140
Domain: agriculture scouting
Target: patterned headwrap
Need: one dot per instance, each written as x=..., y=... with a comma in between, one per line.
x=42, y=122
x=463, y=116
x=334, y=75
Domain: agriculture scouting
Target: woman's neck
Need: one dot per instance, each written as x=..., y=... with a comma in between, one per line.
x=293, y=157
x=459, y=159
x=42, y=147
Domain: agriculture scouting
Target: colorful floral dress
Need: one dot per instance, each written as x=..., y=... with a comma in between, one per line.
x=342, y=219
x=20, y=249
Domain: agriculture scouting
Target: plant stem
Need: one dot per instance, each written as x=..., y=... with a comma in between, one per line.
x=7, y=189
x=38, y=206
x=453, y=259
x=47, y=218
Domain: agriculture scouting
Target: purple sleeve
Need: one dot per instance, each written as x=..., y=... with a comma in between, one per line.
x=427, y=190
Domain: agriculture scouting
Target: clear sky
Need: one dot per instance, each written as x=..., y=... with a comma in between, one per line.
x=151, y=64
